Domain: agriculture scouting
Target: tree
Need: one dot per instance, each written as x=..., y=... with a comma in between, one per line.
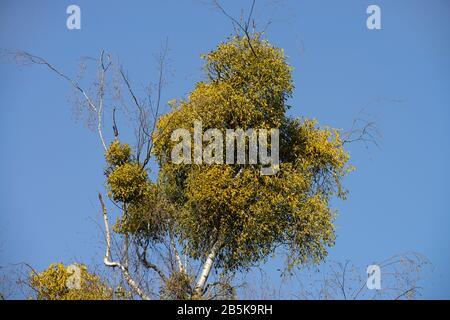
x=53, y=284
x=229, y=214
x=228, y=217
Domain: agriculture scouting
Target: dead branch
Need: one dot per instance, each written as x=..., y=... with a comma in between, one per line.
x=24, y=57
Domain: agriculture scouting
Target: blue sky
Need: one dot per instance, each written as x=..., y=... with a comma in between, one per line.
x=51, y=166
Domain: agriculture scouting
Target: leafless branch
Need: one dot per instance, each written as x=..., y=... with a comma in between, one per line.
x=107, y=259
x=235, y=22
x=414, y=289
x=149, y=265
x=23, y=57
x=363, y=130
x=145, y=127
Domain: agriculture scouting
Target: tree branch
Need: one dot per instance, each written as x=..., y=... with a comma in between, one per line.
x=26, y=57
x=235, y=22
x=107, y=259
x=206, y=269
x=175, y=252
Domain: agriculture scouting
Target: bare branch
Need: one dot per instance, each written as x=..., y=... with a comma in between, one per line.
x=414, y=289
x=244, y=27
x=101, y=93
x=107, y=259
x=28, y=58
x=145, y=128
x=25, y=57
x=115, y=129
x=149, y=265
x=363, y=130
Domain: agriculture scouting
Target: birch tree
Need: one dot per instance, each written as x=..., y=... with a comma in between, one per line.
x=186, y=234
x=171, y=234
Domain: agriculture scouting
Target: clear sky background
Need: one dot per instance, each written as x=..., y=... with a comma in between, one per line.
x=51, y=166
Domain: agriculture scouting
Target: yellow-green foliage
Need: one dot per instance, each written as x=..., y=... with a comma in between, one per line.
x=117, y=153
x=128, y=182
x=244, y=91
x=147, y=217
x=253, y=214
x=177, y=287
x=51, y=284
